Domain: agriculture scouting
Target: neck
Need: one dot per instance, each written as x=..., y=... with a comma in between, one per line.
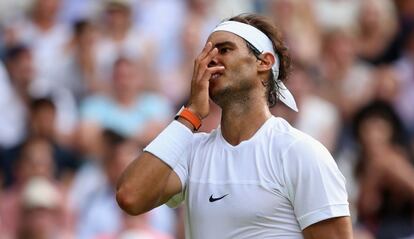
x=125, y=99
x=241, y=120
x=118, y=33
x=44, y=23
x=23, y=92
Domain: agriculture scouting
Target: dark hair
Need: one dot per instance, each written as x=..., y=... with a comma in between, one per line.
x=118, y=5
x=79, y=26
x=112, y=138
x=13, y=52
x=110, y=141
x=266, y=26
x=39, y=103
x=383, y=110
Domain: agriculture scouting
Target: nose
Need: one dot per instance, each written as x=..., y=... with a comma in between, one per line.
x=213, y=62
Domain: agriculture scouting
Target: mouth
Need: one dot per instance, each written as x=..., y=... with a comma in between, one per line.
x=215, y=76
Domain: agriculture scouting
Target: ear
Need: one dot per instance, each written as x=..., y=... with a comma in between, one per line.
x=265, y=62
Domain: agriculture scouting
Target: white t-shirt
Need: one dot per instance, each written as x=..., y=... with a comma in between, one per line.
x=273, y=185
x=12, y=111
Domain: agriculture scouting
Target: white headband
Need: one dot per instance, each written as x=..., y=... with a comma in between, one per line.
x=262, y=43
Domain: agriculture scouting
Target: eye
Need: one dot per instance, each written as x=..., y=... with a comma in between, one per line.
x=224, y=50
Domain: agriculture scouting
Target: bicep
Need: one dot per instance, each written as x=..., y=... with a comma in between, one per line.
x=333, y=228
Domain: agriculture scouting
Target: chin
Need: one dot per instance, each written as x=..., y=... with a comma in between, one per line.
x=219, y=96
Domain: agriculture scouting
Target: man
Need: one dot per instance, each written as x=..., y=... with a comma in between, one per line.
x=255, y=176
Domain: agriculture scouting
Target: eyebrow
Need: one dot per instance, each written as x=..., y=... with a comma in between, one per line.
x=221, y=44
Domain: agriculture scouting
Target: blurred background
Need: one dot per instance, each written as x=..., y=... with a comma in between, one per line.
x=86, y=84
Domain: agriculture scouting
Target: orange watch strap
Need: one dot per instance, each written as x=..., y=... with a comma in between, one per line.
x=186, y=114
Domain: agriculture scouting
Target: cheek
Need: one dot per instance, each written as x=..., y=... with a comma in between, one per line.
x=244, y=77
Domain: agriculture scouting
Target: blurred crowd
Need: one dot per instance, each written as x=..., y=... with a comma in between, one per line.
x=86, y=84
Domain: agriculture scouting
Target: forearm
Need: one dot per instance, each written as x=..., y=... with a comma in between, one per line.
x=149, y=179
x=142, y=184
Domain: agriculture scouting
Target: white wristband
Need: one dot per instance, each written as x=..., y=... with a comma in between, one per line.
x=171, y=143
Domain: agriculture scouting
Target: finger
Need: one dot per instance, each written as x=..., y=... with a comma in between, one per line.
x=209, y=57
x=216, y=69
x=203, y=65
x=207, y=48
x=212, y=70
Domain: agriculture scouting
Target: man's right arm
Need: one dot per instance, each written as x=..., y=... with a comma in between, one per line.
x=147, y=182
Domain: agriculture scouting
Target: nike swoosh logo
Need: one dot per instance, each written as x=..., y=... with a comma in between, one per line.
x=211, y=199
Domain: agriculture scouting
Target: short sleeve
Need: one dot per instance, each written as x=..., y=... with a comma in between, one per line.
x=91, y=108
x=156, y=106
x=181, y=169
x=315, y=186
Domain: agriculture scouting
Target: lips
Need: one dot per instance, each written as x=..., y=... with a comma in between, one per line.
x=215, y=76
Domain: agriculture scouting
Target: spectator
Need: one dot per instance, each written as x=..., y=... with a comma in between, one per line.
x=20, y=65
x=21, y=117
x=129, y=110
x=45, y=37
x=344, y=81
x=42, y=124
x=384, y=171
x=376, y=29
x=42, y=214
x=121, y=38
x=102, y=216
x=35, y=160
x=79, y=64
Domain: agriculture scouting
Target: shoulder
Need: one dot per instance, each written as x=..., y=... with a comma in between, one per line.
x=292, y=143
x=303, y=157
x=285, y=136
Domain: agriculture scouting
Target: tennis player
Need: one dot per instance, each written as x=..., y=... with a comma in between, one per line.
x=255, y=176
